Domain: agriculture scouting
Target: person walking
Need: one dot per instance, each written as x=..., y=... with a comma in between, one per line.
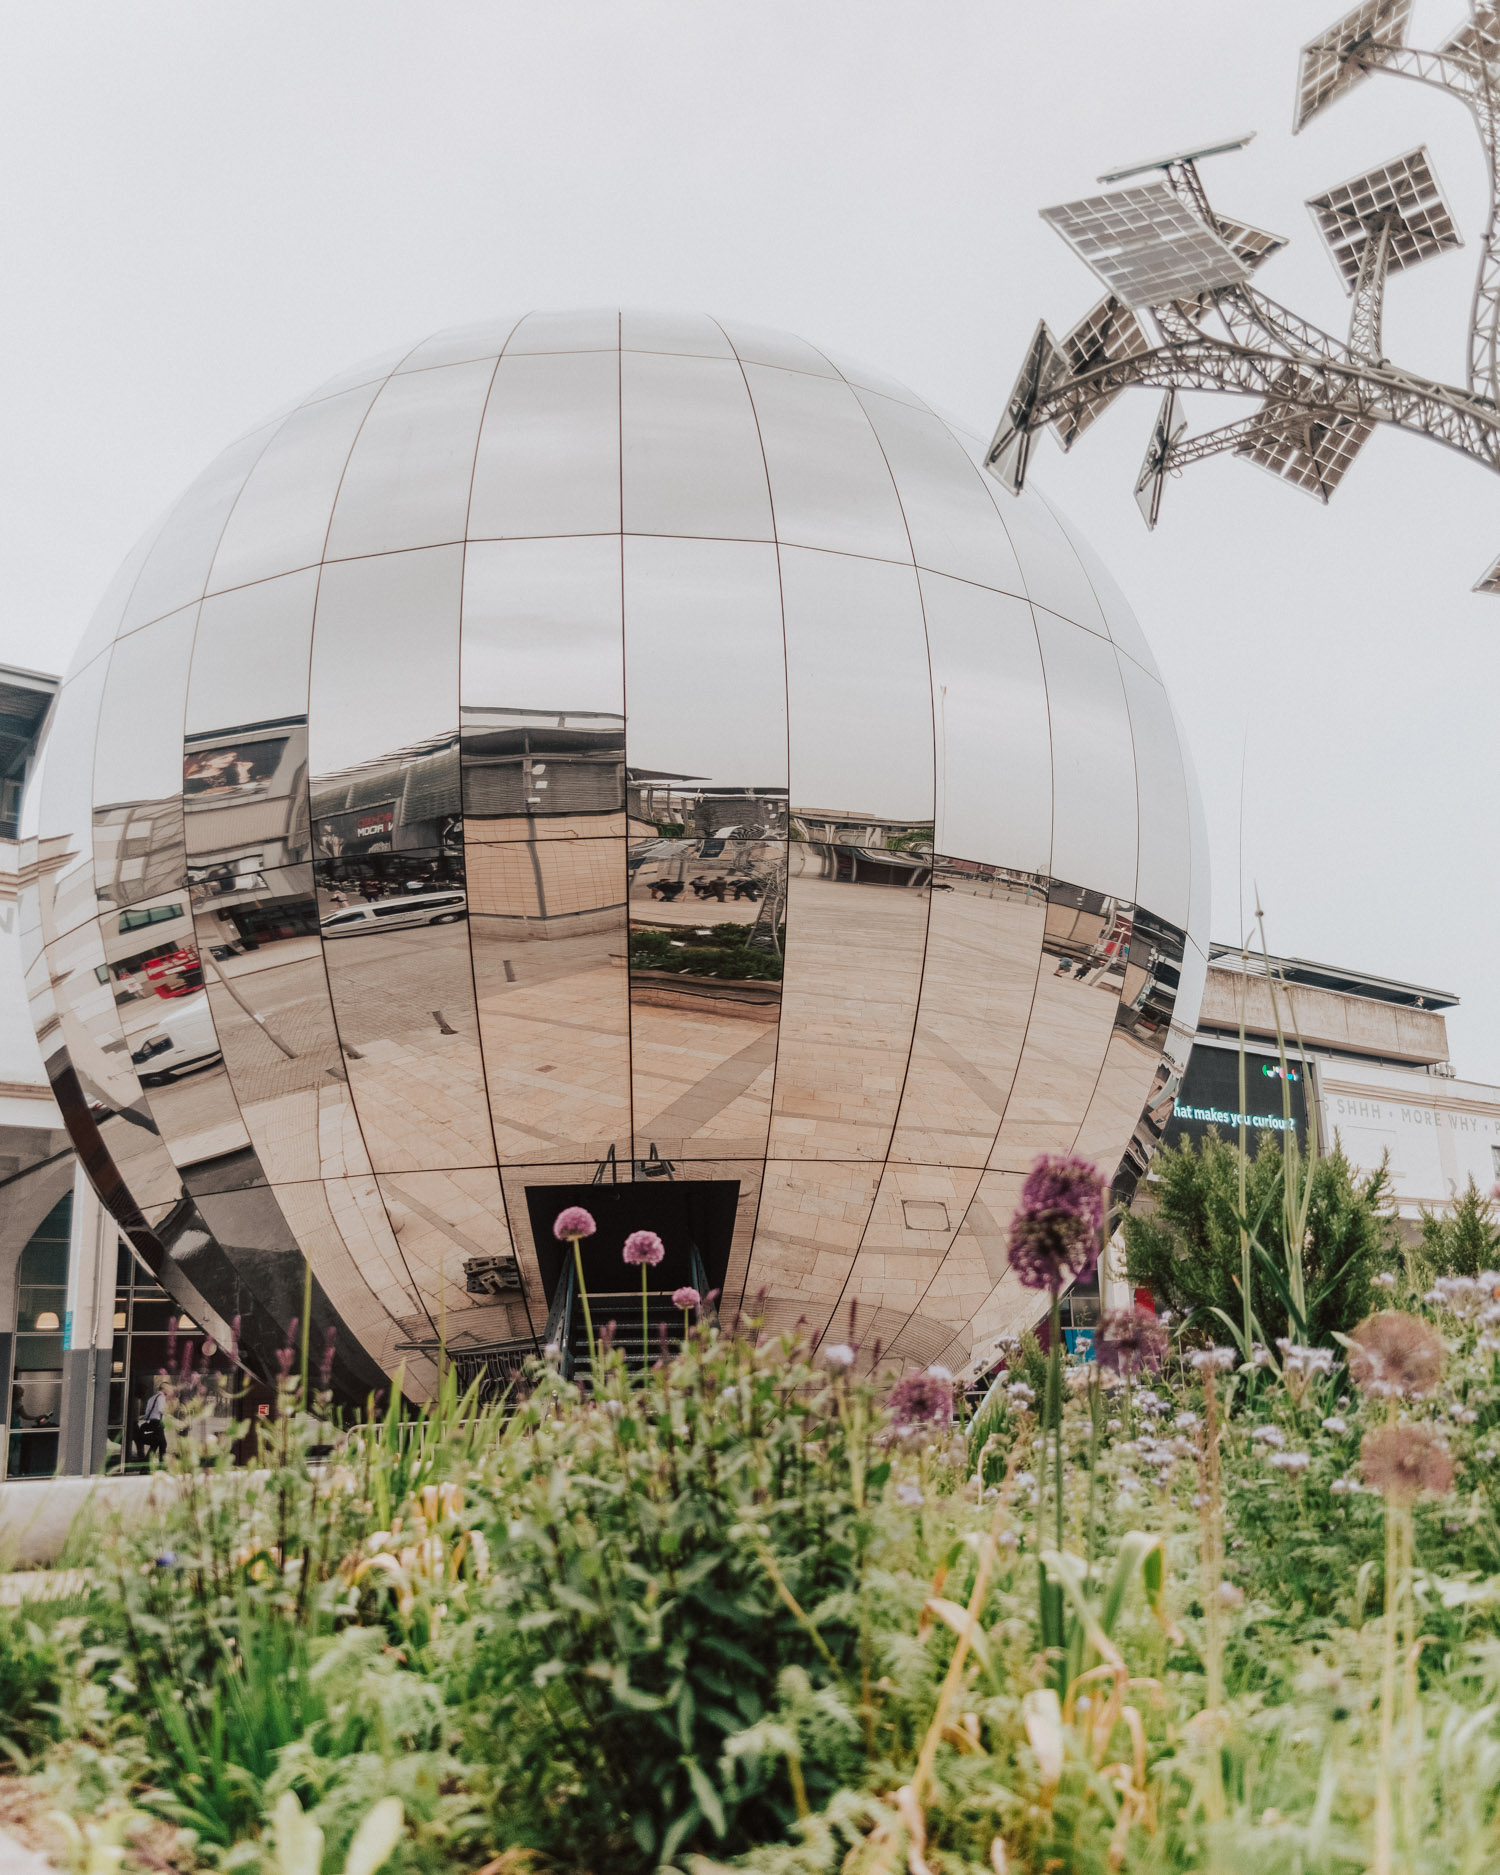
x=150, y=1432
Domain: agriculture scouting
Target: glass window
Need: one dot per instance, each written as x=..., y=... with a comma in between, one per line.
x=35, y=1406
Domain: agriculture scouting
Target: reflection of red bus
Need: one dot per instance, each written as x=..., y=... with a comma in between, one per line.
x=176, y=973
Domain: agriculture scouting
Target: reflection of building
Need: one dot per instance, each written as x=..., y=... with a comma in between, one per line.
x=83, y=1327
x=1370, y=1052
x=663, y=588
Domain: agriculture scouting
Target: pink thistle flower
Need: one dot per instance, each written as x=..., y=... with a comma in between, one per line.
x=643, y=1246
x=574, y=1222
x=686, y=1298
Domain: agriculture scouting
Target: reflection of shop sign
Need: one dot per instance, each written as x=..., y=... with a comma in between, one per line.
x=372, y=826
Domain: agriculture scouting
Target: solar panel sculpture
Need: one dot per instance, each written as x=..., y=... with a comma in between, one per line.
x=1182, y=311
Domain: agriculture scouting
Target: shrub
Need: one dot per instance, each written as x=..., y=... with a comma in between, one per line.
x=1186, y=1248
x=1464, y=1242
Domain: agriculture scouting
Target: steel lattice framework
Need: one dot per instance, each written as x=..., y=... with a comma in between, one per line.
x=1320, y=397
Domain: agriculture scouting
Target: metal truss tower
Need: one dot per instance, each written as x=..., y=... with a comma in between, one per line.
x=1182, y=311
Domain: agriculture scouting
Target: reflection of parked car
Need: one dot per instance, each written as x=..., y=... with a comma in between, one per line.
x=182, y=1040
x=413, y=909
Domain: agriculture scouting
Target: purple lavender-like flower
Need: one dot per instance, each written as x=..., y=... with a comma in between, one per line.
x=325, y=1366
x=686, y=1298
x=285, y=1356
x=1054, y=1235
x=1131, y=1341
x=644, y=1246
x=574, y=1222
x=921, y=1400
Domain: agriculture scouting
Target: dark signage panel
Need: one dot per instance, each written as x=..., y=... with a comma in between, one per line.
x=1210, y=1096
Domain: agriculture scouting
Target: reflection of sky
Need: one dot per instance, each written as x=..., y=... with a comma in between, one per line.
x=542, y=624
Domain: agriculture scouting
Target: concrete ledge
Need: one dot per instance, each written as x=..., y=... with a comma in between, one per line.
x=37, y=1515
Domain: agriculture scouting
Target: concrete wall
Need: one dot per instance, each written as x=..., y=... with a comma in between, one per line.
x=1325, y=1018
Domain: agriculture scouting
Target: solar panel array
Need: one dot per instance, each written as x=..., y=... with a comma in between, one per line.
x=1147, y=245
x=1311, y=452
x=1346, y=214
x=1326, y=71
x=1103, y=336
x=1478, y=38
x=1253, y=245
x=1489, y=580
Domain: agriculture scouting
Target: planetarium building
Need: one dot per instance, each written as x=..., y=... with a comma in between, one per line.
x=616, y=758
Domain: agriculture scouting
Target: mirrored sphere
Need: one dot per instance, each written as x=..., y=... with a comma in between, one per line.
x=609, y=757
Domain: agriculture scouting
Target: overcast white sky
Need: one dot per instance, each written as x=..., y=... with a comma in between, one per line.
x=209, y=208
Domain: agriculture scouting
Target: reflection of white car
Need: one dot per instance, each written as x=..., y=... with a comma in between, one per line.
x=396, y=913
x=181, y=1039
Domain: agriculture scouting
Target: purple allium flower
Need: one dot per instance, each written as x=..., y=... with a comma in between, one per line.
x=643, y=1246
x=1054, y=1235
x=921, y=1399
x=686, y=1298
x=1131, y=1341
x=574, y=1222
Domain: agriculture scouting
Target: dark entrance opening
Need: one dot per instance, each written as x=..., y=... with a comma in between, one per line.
x=694, y=1219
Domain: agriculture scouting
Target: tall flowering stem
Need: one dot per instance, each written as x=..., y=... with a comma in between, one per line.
x=647, y=1249
x=572, y=1226
x=1054, y=1240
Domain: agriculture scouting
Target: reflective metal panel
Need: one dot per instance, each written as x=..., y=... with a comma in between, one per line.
x=542, y=632
x=258, y=942
x=407, y=479
x=865, y=377
x=860, y=856
x=692, y=335
x=1162, y=870
x=1093, y=760
x=1085, y=950
x=388, y=840
x=812, y=1216
x=250, y=655
x=595, y=329
x=994, y=745
x=830, y=485
x=1053, y=572
x=175, y=572
x=280, y=521
x=458, y=345
x=759, y=345
x=65, y=808
x=691, y=461
x=138, y=841
x=913, y=1221
x=706, y=740
x=949, y=512
x=105, y=623
x=1120, y=620
x=347, y=1239
x=549, y=450
x=455, y=1241
x=97, y=1052
x=372, y=370
x=984, y=941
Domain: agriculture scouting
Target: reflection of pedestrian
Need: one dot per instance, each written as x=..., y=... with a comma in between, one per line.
x=369, y=890
x=150, y=1433
x=336, y=897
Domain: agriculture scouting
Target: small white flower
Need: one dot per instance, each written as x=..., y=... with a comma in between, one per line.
x=1231, y=1595
x=1024, y=1480
x=1269, y=1435
x=1386, y=1281
x=937, y=1372
x=839, y=1355
x=1113, y=1425
x=909, y=1494
x=730, y=1393
x=1214, y=1360
x=1335, y=1425
x=1344, y=1487
x=1019, y=1393
x=1185, y=1422
x=1288, y=1461
x=1466, y=1416
x=1008, y=1539
x=552, y=1351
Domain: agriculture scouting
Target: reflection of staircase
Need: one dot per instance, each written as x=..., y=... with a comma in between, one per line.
x=566, y=1329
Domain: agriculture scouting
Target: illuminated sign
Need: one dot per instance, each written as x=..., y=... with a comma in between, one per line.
x=1210, y=1096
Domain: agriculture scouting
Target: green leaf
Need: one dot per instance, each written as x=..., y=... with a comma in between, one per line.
x=376, y=1838
x=707, y=1796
